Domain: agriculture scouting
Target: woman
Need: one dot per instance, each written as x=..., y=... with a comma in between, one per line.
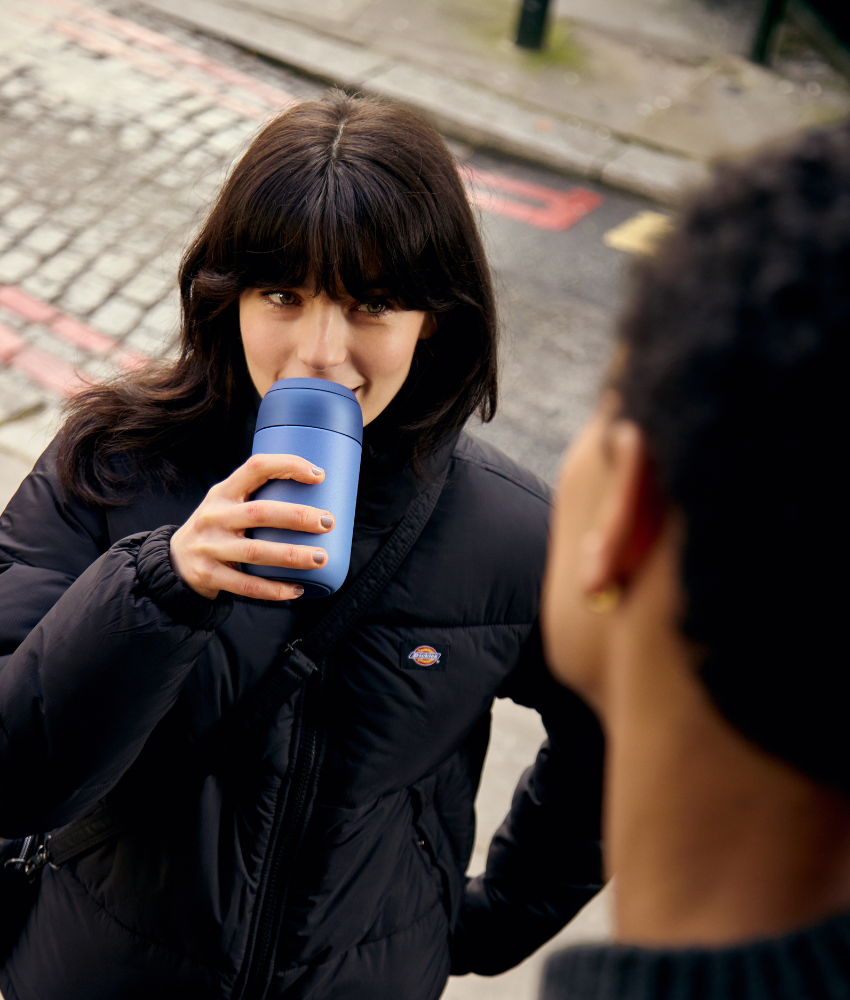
x=343, y=248
x=696, y=597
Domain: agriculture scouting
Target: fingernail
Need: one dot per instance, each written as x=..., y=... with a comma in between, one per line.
x=327, y=521
x=317, y=471
x=318, y=557
x=297, y=591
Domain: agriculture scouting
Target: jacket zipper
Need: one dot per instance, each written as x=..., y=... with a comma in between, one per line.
x=286, y=838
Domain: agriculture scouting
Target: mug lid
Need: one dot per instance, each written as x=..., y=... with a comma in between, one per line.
x=312, y=402
x=313, y=383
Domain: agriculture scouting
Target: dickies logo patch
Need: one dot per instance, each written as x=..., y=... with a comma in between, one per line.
x=426, y=656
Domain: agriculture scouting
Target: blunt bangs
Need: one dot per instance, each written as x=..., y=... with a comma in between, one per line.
x=344, y=224
x=307, y=231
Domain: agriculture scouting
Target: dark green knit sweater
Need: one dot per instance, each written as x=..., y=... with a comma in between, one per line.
x=813, y=963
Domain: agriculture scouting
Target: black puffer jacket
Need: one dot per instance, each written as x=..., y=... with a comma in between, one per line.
x=111, y=665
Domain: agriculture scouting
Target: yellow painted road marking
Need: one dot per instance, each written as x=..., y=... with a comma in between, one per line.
x=642, y=233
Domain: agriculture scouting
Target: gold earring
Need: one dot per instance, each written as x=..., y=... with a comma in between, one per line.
x=600, y=602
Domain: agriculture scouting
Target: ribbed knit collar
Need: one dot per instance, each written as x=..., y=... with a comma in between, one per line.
x=813, y=963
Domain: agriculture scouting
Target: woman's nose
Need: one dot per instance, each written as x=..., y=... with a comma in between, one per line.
x=322, y=344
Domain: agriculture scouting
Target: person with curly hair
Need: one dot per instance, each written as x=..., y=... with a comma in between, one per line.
x=696, y=595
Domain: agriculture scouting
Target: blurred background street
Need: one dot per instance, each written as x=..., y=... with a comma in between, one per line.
x=119, y=120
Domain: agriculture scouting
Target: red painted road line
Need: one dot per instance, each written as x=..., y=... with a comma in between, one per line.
x=273, y=96
x=10, y=343
x=18, y=301
x=83, y=336
x=557, y=211
x=132, y=361
x=49, y=371
x=120, y=32
x=72, y=330
x=154, y=66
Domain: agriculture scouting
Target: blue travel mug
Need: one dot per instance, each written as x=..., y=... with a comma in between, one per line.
x=322, y=422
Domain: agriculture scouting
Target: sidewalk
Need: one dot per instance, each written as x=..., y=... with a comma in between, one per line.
x=637, y=94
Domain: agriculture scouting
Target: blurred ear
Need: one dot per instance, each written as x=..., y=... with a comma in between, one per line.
x=631, y=512
x=429, y=326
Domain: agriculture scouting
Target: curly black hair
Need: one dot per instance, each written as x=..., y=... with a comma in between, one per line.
x=737, y=343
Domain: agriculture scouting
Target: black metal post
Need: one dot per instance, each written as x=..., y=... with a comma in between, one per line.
x=532, y=24
x=770, y=18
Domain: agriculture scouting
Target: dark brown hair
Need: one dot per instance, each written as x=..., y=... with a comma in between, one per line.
x=351, y=192
x=737, y=351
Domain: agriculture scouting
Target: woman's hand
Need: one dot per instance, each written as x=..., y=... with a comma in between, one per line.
x=207, y=549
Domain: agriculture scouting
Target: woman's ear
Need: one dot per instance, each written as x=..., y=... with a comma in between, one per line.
x=650, y=508
x=429, y=326
x=631, y=512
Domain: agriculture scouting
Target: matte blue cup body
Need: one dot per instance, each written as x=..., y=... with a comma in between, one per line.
x=322, y=422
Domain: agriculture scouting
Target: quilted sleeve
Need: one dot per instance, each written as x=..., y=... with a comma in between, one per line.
x=95, y=644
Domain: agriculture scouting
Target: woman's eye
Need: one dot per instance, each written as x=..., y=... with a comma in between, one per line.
x=281, y=298
x=374, y=308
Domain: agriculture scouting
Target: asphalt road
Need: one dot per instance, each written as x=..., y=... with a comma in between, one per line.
x=77, y=163
x=559, y=292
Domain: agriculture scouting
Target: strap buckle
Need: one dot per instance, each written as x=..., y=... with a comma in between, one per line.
x=38, y=860
x=34, y=863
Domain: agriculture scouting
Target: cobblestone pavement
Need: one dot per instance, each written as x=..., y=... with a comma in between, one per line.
x=116, y=130
x=112, y=139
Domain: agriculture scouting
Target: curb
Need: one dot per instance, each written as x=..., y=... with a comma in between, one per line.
x=461, y=111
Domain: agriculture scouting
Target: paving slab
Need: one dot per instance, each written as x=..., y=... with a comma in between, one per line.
x=484, y=118
x=681, y=29
x=326, y=58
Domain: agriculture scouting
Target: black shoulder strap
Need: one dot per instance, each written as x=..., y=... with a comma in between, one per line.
x=256, y=709
x=299, y=659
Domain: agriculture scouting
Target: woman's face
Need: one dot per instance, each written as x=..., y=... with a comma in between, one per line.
x=366, y=346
